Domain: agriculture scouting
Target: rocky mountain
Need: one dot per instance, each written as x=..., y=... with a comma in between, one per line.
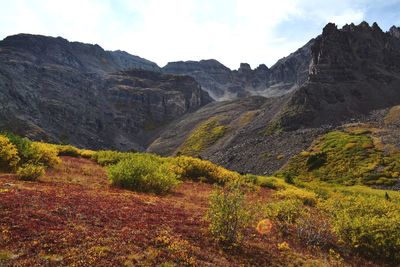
x=54, y=90
x=78, y=93
x=225, y=84
x=353, y=72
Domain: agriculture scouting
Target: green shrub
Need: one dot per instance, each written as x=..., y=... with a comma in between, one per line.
x=9, y=158
x=23, y=145
x=316, y=160
x=108, y=157
x=228, y=214
x=288, y=177
x=308, y=198
x=30, y=172
x=145, y=173
x=367, y=224
x=284, y=213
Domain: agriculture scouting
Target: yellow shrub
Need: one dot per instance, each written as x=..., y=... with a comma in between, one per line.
x=45, y=154
x=307, y=197
x=283, y=246
x=8, y=154
x=30, y=172
x=197, y=169
x=85, y=153
x=68, y=150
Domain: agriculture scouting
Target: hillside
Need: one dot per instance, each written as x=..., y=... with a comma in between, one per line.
x=60, y=91
x=72, y=216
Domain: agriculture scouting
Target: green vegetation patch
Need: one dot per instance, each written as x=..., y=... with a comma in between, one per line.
x=203, y=136
x=143, y=172
x=346, y=158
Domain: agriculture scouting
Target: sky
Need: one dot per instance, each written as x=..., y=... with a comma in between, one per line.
x=230, y=31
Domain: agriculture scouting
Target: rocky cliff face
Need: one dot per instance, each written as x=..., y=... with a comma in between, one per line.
x=77, y=93
x=225, y=84
x=354, y=70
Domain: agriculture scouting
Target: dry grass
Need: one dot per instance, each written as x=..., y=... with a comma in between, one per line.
x=393, y=116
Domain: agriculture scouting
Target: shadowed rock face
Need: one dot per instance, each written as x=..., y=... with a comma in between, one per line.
x=77, y=93
x=83, y=57
x=225, y=84
x=354, y=70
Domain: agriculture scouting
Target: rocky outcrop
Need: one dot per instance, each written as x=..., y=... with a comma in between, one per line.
x=58, y=91
x=395, y=31
x=225, y=84
x=354, y=70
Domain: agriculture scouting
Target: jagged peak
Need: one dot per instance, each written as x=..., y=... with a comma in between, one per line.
x=376, y=27
x=245, y=67
x=329, y=28
x=262, y=67
x=394, y=31
x=364, y=24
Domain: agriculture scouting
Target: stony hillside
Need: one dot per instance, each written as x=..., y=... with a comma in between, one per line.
x=55, y=90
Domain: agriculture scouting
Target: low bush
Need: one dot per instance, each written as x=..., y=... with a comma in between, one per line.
x=86, y=153
x=45, y=154
x=68, y=150
x=23, y=145
x=271, y=182
x=307, y=197
x=315, y=231
x=9, y=158
x=30, y=172
x=284, y=213
x=145, y=173
x=197, y=169
x=316, y=160
x=228, y=215
x=108, y=157
x=367, y=224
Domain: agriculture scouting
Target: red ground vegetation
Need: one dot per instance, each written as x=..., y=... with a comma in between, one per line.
x=72, y=217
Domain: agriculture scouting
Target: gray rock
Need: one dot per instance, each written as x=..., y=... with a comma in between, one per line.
x=54, y=90
x=225, y=84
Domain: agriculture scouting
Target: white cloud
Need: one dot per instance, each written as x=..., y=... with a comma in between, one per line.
x=229, y=31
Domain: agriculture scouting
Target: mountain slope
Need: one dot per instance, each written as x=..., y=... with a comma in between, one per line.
x=71, y=92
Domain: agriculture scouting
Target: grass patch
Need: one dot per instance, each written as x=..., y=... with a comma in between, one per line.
x=203, y=136
x=346, y=158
